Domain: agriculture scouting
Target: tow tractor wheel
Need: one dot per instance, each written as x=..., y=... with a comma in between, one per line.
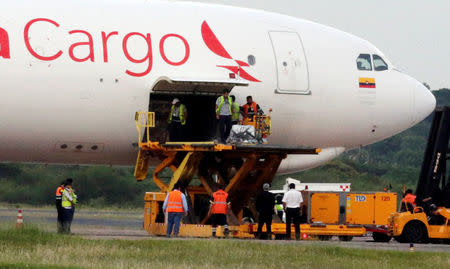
x=381, y=237
x=413, y=232
x=345, y=238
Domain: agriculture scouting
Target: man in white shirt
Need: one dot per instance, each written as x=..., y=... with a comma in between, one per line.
x=292, y=202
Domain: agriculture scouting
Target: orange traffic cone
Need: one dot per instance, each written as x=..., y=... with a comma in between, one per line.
x=19, y=223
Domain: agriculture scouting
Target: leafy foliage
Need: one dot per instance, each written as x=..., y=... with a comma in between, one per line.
x=95, y=185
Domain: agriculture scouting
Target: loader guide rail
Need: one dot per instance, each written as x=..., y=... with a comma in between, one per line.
x=200, y=167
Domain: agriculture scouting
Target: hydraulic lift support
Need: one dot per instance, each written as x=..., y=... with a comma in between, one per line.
x=432, y=182
x=201, y=166
x=430, y=220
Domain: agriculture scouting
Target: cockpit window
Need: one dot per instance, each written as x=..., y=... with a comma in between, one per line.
x=364, y=62
x=379, y=64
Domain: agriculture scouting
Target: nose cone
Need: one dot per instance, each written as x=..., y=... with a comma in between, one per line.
x=424, y=102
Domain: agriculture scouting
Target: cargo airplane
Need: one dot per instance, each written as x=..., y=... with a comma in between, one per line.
x=73, y=74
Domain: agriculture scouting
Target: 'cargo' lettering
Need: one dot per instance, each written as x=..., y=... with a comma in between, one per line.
x=27, y=40
x=163, y=53
x=4, y=44
x=136, y=47
x=148, y=57
x=90, y=43
x=105, y=38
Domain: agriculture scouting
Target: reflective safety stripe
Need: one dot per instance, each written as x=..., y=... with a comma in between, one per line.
x=180, y=114
x=222, y=100
x=220, y=202
x=175, y=202
x=66, y=203
x=175, y=205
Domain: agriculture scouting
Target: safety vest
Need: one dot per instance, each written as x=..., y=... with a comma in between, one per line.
x=180, y=115
x=65, y=201
x=221, y=101
x=254, y=106
x=279, y=207
x=59, y=192
x=235, y=114
x=410, y=198
x=220, y=202
x=174, y=202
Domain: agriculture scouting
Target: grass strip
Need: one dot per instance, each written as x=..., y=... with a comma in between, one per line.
x=33, y=247
x=34, y=266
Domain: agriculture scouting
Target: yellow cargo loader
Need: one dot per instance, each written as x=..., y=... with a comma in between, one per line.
x=199, y=167
x=429, y=220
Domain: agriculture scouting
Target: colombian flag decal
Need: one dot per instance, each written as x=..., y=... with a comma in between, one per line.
x=367, y=83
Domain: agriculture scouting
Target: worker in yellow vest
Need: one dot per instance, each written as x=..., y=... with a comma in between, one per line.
x=236, y=111
x=177, y=121
x=279, y=207
x=175, y=206
x=68, y=202
x=223, y=114
x=219, y=208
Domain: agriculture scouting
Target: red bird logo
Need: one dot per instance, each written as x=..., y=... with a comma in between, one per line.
x=215, y=46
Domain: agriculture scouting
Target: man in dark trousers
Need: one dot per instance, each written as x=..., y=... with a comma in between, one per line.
x=59, y=192
x=265, y=202
x=292, y=202
x=223, y=113
x=175, y=205
x=177, y=121
x=218, y=210
x=68, y=202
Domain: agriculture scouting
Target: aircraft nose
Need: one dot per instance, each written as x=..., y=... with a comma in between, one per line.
x=424, y=102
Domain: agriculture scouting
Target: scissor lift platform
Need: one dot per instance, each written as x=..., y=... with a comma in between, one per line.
x=241, y=169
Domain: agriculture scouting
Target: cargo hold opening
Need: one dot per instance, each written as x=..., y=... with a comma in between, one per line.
x=199, y=97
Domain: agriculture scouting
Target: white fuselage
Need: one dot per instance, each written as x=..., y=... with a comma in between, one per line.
x=57, y=91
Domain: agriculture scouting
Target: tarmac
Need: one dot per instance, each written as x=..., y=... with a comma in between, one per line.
x=128, y=226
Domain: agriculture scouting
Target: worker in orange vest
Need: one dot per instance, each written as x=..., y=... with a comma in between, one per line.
x=176, y=207
x=409, y=200
x=219, y=209
x=250, y=109
x=59, y=192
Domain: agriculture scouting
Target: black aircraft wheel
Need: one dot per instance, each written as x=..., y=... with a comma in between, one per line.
x=345, y=238
x=413, y=232
x=381, y=237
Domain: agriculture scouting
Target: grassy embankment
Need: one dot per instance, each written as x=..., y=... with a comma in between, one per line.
x=85, y=217
x=33, y=248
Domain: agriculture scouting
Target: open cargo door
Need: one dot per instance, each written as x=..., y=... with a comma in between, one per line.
x=179, y=86
x=198, y=95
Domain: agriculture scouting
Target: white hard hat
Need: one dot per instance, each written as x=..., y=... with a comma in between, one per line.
x=176, y=100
